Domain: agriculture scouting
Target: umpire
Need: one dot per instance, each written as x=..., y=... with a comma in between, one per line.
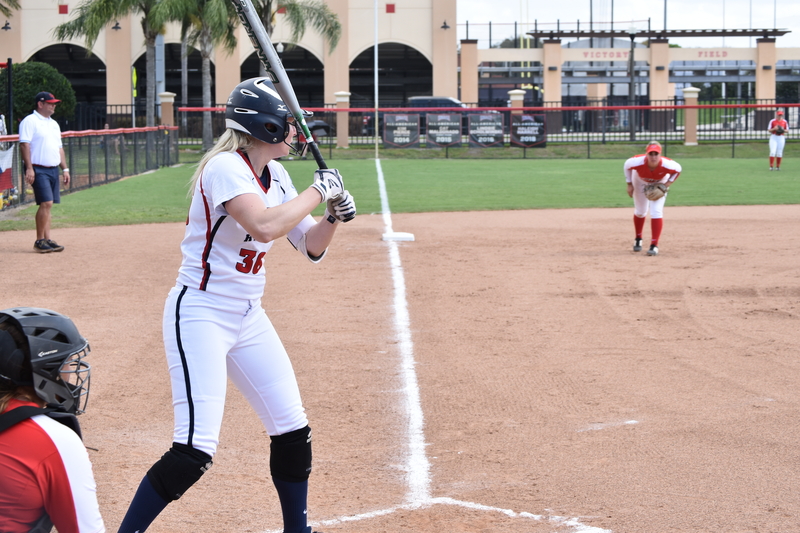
x=42, y=154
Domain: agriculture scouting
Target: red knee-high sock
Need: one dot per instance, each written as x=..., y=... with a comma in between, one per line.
x=638, y=225
x=779, y=161
x=771, y=161
x=656, y=225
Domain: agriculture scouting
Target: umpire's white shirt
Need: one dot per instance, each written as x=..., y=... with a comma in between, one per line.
x=44, y=136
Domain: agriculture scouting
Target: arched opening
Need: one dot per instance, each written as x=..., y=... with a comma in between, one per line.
x=172, y=76
x=305, y=72
x=86, y=73
x=402, y=72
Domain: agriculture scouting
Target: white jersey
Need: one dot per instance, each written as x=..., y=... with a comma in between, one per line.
x=219, y=256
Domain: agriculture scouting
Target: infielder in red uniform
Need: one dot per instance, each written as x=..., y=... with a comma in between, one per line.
x=215, y=328
x=778, y=127
x=45, y=474
x=641, y=170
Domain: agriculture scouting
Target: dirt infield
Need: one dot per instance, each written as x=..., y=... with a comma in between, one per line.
x=566, y=383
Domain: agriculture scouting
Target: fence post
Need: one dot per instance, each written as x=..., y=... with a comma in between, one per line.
x=690, y=116
x=90, y=148
x=167, y=119
x=123, y=148
x=105, y=149
x=517, y=99
x=342, y=119
x=135, y=152
x=71, y=163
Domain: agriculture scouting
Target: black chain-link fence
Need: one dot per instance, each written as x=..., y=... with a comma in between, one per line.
x=94, y=157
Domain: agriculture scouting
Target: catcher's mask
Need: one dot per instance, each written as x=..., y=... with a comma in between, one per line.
x=43, y=349
x=255, y=108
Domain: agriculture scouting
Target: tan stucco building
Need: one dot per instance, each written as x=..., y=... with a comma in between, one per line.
x=426, y=26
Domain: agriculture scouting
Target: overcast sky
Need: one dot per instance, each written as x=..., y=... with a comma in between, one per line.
x=681, y=15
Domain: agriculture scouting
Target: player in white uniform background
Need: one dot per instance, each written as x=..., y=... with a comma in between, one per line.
x=641, y=170
x=777, y=139
x=214, y=325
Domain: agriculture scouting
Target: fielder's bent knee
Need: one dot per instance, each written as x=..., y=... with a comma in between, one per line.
x=177, y=470
x=290, y=455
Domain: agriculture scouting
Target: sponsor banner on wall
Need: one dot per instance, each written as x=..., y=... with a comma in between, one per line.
x=401, y=130
x=444, y=129
x=485, y=130
x=528, y=131
x=6, y=170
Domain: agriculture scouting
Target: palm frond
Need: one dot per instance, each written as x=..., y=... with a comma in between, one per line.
x=315, y=13
x=6, y=7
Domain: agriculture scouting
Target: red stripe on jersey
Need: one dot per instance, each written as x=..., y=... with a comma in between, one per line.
x=33, y=479
x=207, y=249
x=258, y=179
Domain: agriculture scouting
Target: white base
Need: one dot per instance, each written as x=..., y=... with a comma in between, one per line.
x=398, y=236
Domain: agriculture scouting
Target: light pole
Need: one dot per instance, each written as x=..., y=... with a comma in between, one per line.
x=632, y=87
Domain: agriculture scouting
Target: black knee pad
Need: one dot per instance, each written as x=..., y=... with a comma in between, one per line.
x=290, y=456
x=177, y=470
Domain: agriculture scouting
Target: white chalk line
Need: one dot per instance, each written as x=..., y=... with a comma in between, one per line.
x=418, y=466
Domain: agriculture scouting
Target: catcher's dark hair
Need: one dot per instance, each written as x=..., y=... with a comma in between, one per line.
x=10, y=329
x=8, y=389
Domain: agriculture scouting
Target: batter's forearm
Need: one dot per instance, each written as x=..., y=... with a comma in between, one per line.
x=319, y=237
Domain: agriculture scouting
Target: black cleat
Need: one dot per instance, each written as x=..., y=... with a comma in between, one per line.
x=42, y=247
x=55, y=246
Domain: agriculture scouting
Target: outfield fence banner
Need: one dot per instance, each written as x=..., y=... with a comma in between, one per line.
x=401, y=130
x=443, y=130
x=486, y=130
x=94, y=157
x=528, y=131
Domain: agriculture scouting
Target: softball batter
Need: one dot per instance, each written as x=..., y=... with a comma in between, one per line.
x=641, y=170
x=214, y=325
x=778, y=127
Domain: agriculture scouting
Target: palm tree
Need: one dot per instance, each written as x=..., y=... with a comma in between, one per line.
x=206, y=24
x=92, y=16
x=299, y=15
x=7, y=5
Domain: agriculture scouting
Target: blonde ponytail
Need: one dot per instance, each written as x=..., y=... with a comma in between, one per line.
x=229, y=141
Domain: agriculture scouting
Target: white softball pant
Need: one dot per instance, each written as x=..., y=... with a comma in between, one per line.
x=641, y=205
x=209, y=338
x=776, y=143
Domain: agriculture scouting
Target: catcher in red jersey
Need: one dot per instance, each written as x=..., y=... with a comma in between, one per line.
x=46, y=478
x=649, y=177
x=778, y=127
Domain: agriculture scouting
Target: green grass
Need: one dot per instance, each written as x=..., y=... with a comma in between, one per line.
x=416, y=186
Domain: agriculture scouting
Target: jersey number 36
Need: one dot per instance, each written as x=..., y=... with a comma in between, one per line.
x=250, y=263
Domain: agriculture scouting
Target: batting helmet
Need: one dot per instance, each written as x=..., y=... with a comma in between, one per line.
x=255, y=107
x=43, y=349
